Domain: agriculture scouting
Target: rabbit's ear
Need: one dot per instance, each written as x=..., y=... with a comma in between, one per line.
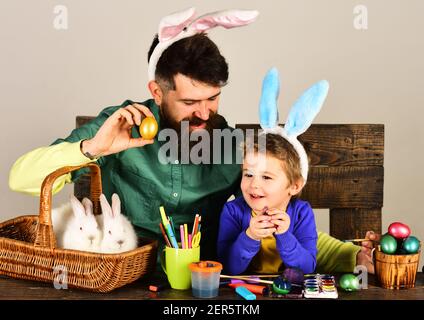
x=88, y=206
x=227, y=19
x=106, y=209
x=305, y=109
x=268, y=110
x=172, y=25
x=116, y=205
x=77, y=207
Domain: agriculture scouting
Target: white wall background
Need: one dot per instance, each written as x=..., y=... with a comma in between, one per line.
x=49, y=76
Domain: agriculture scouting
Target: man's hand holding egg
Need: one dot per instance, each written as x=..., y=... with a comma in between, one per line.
x=115, y=133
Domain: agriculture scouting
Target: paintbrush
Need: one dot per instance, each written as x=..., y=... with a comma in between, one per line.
x=248, y=276
x=254, y=280
x=243, y=278
x=357, y=240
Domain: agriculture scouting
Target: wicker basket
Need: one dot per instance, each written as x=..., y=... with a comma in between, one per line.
x=28, y=248
x=396, y=271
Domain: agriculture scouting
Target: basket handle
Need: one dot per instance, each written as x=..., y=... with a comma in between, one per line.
x=45, y=236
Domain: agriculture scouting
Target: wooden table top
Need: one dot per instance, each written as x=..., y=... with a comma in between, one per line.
x=16, y=289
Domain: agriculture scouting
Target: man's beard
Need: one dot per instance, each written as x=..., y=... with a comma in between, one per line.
x=215, y=121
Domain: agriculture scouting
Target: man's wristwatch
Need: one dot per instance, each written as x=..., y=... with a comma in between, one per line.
x=87, y=154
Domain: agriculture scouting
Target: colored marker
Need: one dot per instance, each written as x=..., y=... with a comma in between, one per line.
x=163, y=216
x=254, y=288
x=158, y=286
x=199, y=224
x=182, y=236
x=171, y=222
x=245, y=293
x=171, y=236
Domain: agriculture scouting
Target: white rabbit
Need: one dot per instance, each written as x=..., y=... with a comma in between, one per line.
x=75, y=226
x=60, y=218
x=118, y=232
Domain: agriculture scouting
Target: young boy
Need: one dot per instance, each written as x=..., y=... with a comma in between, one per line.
x=268, y=228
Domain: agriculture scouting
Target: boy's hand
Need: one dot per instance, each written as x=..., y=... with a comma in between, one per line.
x=280, y=219
x=364, y=257
x=260, y=227
x=367, y=246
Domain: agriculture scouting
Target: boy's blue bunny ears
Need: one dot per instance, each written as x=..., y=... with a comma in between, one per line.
x=300, y=117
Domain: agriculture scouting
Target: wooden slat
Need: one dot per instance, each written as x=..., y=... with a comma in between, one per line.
x=341, y=144
x=344, y=187
x=354, y=223
x=82, y=185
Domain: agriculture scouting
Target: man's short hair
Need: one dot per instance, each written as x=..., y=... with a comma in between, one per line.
x=196, y=57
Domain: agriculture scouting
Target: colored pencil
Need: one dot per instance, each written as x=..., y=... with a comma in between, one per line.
x=196, y=219
x=164, y=234
x=189, y=241
x=196, y=224
x=185, y=235
x=168, y=228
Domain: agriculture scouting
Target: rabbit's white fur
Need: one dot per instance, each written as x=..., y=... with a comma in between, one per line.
x=75, y=226
x=118, y=233
x=60, y=219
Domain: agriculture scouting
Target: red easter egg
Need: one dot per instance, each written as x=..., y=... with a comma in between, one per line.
x=399, y=230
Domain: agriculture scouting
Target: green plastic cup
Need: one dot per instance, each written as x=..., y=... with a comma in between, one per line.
x=175, y=264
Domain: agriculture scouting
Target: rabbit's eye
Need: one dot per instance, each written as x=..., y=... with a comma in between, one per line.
x=81, y=228
x=110, y=232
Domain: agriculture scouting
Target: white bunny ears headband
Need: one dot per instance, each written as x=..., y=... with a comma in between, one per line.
x=183, y=24
x=300, y=117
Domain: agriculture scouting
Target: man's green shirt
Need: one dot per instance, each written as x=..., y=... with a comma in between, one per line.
x=144, y=184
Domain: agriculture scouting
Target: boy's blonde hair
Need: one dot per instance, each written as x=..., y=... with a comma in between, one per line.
x=279, y=148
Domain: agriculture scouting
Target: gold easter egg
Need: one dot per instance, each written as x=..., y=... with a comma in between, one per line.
x=148, y=128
